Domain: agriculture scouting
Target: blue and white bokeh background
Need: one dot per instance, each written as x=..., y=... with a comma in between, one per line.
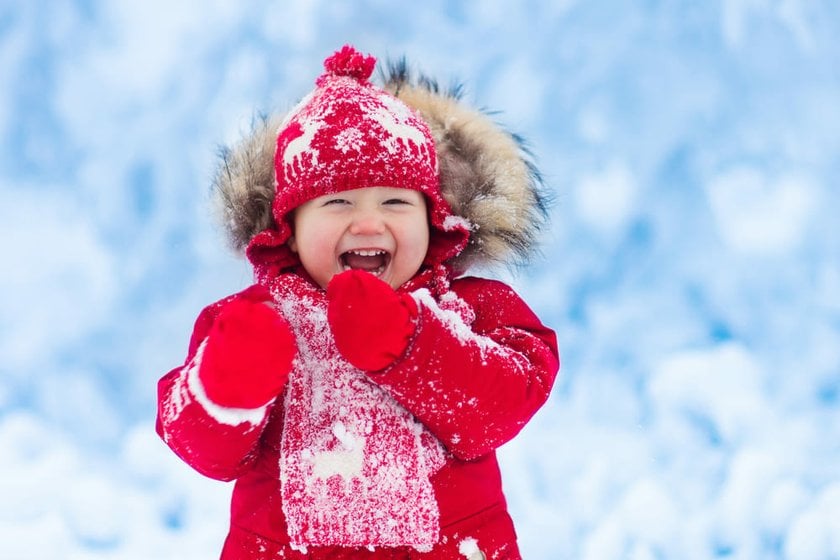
x=692, y=269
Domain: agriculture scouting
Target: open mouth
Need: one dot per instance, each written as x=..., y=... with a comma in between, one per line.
x=374, y=261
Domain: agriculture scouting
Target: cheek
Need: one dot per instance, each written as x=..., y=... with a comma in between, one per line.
x=417, y=239
x=315, y=248
x=311, y=239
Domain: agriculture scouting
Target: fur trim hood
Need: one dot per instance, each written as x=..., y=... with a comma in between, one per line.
x=487, y=175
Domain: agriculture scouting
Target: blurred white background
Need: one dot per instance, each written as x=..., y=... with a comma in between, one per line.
x=692, y=270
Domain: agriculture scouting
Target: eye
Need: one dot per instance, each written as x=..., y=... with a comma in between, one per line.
x=396, y=201
x=335, y=202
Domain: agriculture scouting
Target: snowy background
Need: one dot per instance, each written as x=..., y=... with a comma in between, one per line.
x=692, y=270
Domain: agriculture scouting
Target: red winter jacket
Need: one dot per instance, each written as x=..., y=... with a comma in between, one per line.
x=478, y=368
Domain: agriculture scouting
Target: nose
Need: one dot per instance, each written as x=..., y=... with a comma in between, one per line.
x=367, y=222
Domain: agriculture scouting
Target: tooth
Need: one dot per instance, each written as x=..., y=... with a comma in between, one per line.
x=367, y=252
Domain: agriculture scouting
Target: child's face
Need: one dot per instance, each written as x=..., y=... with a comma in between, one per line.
x=383, y=230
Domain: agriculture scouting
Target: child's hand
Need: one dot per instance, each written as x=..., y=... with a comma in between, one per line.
x=372, y=324
x=248, y=355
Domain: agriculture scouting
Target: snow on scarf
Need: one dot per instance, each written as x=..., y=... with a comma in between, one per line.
x=354, y=464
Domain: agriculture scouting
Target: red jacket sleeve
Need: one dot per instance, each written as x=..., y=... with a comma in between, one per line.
x=475, y=385
x=216, y=441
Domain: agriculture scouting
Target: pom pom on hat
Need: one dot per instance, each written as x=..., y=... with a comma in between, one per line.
x=350, y=62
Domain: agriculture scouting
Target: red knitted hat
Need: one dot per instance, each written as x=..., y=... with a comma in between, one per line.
x=349, y=134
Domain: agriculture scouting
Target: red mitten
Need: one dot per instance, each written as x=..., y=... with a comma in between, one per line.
x=248, y=355
x=372, y=324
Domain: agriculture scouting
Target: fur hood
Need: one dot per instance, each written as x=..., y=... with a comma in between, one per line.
x=487, y=175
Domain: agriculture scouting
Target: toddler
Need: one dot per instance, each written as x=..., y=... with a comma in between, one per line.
x=358, y=390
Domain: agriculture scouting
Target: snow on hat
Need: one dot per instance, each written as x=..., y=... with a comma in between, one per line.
x=349, y=134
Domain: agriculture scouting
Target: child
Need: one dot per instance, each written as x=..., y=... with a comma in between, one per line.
x=358, y=391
